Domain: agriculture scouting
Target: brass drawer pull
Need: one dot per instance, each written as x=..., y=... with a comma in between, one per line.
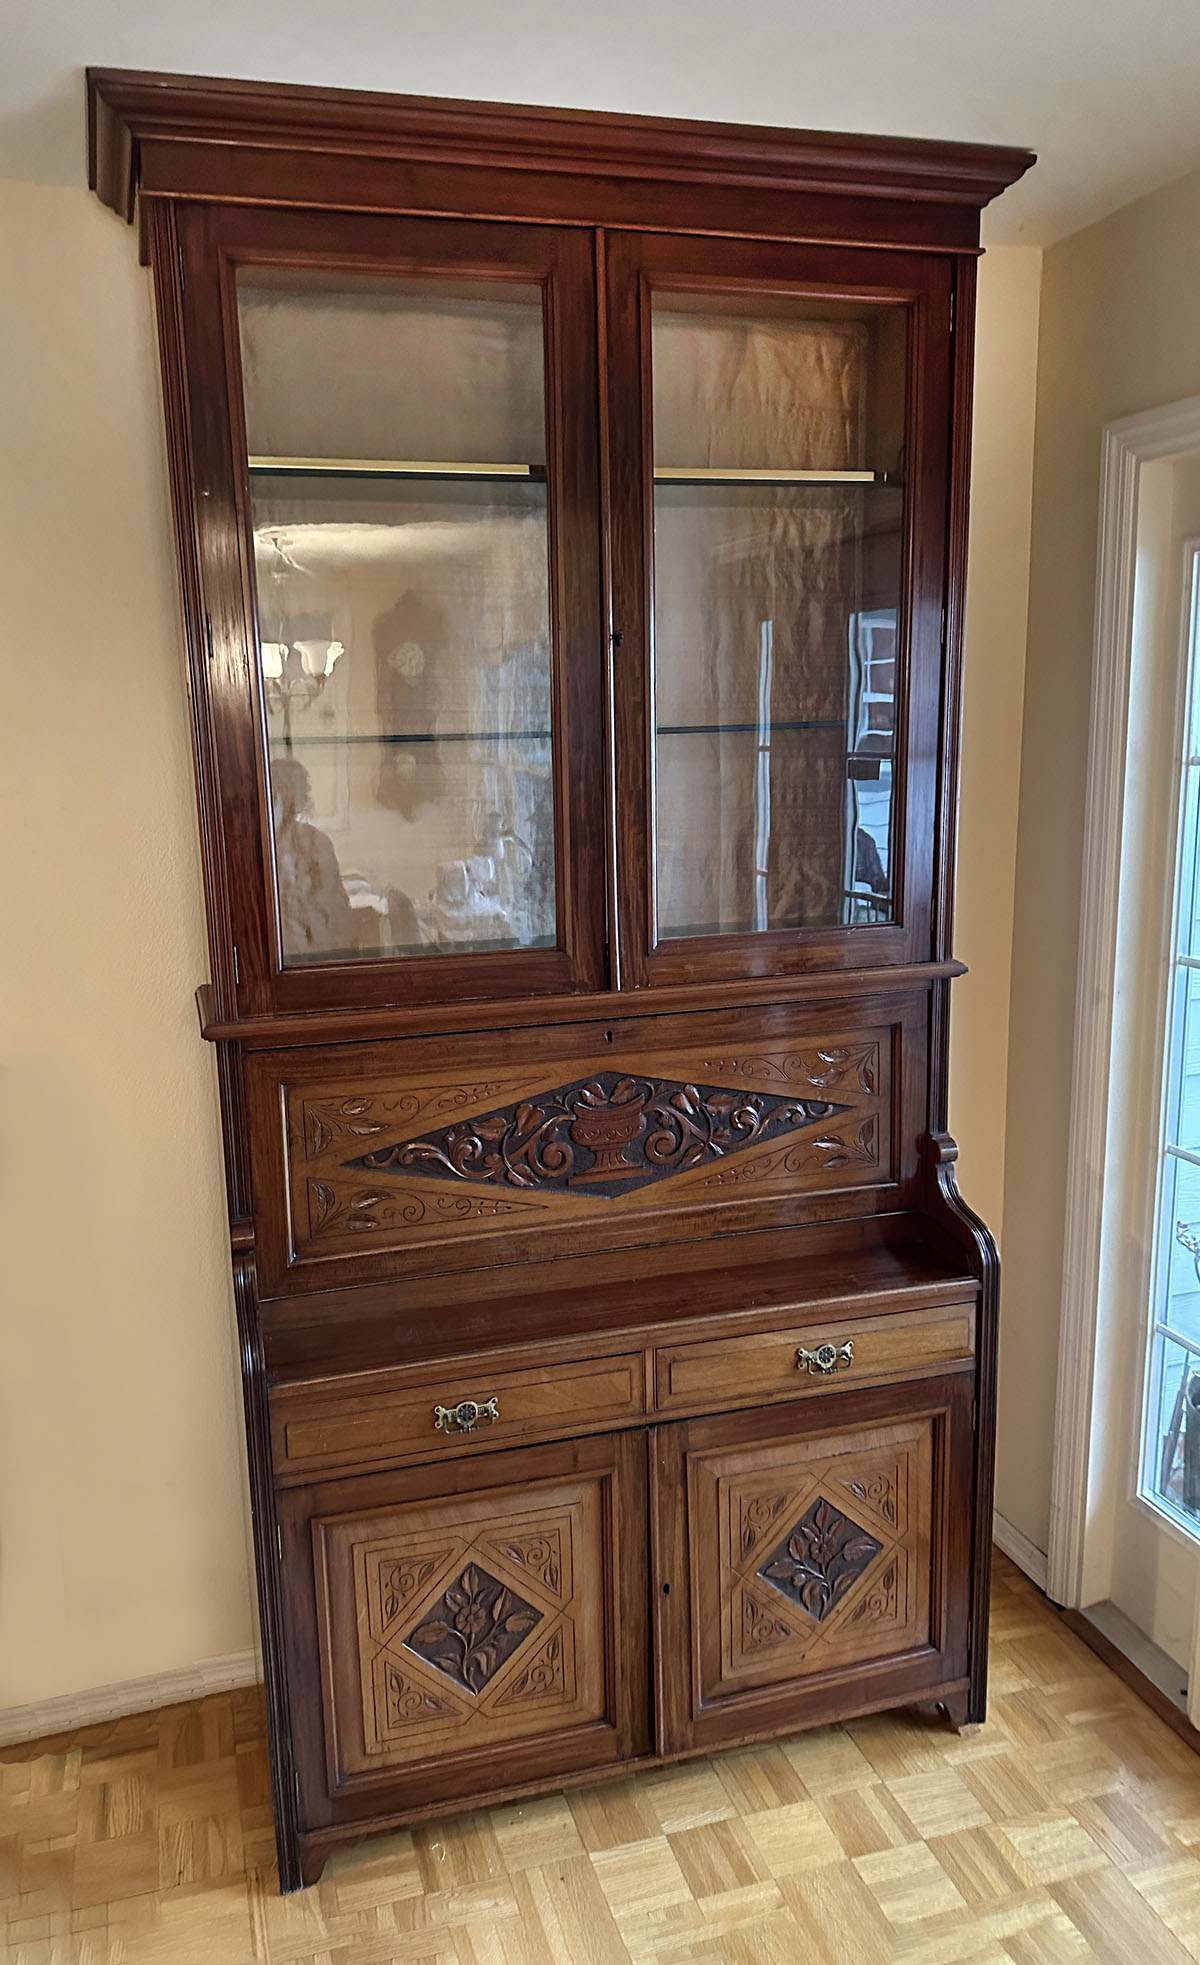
x=465, y=1417
x=826, y=1359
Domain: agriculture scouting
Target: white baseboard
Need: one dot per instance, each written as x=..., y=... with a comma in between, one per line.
x=133, y=1695
x=1019, y=1549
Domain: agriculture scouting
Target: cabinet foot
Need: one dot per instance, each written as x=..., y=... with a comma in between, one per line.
x=956, y=1710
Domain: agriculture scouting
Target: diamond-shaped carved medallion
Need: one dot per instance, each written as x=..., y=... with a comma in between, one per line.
x=473, y=1628
x=604, y=1135
x=819, y=1559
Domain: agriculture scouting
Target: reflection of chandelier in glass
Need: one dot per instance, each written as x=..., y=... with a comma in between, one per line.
x=296, y=672
x=299, y=662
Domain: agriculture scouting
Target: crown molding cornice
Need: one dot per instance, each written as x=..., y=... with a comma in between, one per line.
x=154, y=135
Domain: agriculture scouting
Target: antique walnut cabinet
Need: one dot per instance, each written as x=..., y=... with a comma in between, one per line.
x=571, y=515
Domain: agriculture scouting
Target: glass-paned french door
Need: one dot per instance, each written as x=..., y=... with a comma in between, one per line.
x=1170, y=1459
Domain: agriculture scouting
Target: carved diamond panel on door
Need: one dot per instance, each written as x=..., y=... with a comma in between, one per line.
x=458, y=1620
x=818, y=1560
x=847, y=1579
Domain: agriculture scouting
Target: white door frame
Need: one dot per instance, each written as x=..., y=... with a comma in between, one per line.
x=1074, y=1565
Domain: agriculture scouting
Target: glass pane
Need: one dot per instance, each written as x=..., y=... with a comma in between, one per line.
x=1171, y=1443
x=778, y=440
x=1188, y=916
x=1178, y=1282
x=397, y=442
x=1172, y=1474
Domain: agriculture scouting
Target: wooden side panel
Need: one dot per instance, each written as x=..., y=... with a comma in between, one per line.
x=825, y=1568
x=547, y=1142
x=473, y=1626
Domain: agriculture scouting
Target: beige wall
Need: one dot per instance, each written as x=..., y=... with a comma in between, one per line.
x=122, y=1521
x=1120, y=331
x=993, y=692
x=122, y=1526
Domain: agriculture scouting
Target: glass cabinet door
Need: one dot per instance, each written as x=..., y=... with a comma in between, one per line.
x=776, y=456
x=416, y=446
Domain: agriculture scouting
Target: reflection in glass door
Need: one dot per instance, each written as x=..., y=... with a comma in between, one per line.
x=1171, y=1438
x=778, y=506
x=397, y=456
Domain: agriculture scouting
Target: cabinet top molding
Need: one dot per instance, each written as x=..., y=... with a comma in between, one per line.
x=180, y=136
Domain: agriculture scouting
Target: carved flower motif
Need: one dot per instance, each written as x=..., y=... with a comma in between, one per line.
x=820, y=1559
x=477, y=1624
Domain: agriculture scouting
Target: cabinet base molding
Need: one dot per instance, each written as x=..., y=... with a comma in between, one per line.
x=45, y=1718
x=941, y=1705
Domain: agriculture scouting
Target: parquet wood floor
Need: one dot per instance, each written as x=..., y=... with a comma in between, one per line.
x=1067, y=1829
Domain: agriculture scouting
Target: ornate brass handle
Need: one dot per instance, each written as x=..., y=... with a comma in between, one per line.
x=826, y=1359
x=466, y=1415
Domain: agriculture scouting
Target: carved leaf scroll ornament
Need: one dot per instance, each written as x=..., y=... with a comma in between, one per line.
x=407, y=1702
x=829, y=1068
x=606, y=1135
x=542, y=1678
x=880, y=1491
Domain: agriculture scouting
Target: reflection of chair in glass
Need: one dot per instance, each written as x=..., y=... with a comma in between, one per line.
x=315, y=911
x=871, y=738
x=1179, y=1472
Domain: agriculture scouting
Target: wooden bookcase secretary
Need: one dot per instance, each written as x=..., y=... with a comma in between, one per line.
x=571, y=515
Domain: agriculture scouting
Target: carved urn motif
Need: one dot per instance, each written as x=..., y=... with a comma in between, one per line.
x=606, y=1126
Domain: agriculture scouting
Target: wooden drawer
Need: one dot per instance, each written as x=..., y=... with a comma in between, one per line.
x=732, y=1371
x=392, y=1421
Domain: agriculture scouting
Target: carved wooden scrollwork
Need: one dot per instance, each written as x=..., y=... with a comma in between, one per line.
x=370, y=1208
x=759, y=1513
x=370, y=1115
x=606, y=1135
x=880, y=1601
x=850, y=1146
x=401, y=1580
x=826, y=1068
x=406, y=1702
x=880, y=1491
x=760, y=1626
x=541, y=1678
x=540, y=1553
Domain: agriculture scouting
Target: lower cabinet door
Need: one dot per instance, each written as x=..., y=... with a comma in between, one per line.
x=813, y=1560
x=464, y=1628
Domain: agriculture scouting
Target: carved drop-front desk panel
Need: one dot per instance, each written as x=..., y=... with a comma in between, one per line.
x=574, y=1138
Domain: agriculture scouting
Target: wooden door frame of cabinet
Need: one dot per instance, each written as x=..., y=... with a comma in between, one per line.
x=619, y=1460
x=637, y=265
x=196, y=253
x=947, y=1402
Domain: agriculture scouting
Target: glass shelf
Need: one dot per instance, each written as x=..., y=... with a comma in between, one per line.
x=753, y=729
x=319, y=738
x=382, y=467
x=684, y=474
x=702, y=475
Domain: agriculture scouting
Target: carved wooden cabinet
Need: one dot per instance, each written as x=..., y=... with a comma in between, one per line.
x=571, y=526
